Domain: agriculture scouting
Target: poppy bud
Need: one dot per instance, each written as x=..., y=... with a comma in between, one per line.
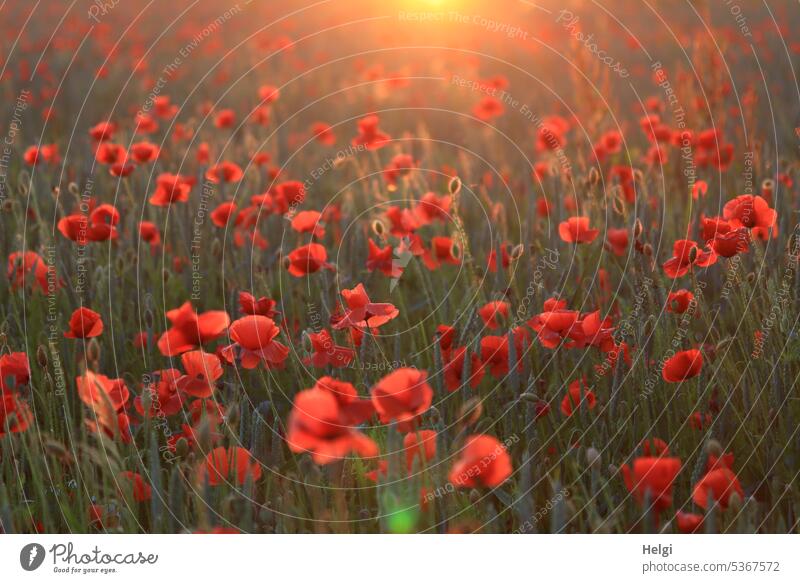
x=165, y=275
x=149, y=319
x=474, y=496
x=692, y=254
x=182, y=447
x=751, y=277
x=455, y=249
x=529, y=397
x=204, y=434
x=56, y=191
x=471, y=411
x=592, y=456
x=594, y=176
x=378, y=228
x=73, y=189
x=286, y=262
x=93, y=351
x=735, y=501
x=454, y=186
x=41, y=356
x=434, y=415
x=3, y=339
x=713, y=447
x=638, y=229
x=647, y=249
x=305, y=341
x=8, y=206
x=517, y=251
x=767, y=188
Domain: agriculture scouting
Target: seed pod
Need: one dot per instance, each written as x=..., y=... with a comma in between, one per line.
x=454, y=186
x=713, y=447
x=378, y=228
x=470, y=411
x=692, y=254
x=41, y=356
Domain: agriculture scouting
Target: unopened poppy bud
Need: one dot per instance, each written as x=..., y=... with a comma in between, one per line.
x=530, y=397
x=455, y=185
x=713, y=447
x=751, y=277
x=471, y=411
x=41, y=356
x=204, y=434
x=73, y=189
x=592, y=456
x=594, y=176
x=517, y=251
x=8, y=206
x=165, y=275
x=286, y=262
x=93, y=350
x=692, y=254
x=638, y=229
x=56, y=191
x=378, y=228
x=305, y=340
x=434, y=414
x=735, y=501
x=647, y=249
x=3, y=339
x=767, y=188
x=455, y=250
x=149, y=319
x=182, y=447
x=474, y=496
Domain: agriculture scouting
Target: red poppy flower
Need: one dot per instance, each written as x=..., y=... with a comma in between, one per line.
x=14, y=365
x=488, y=108
x=308, y=259
x=688, y=522
x=654, y=447
x=143, y=152
x=317, y=425
x=84, y=323
x=505, y=259
x=15, y=415
x=149, y=233
x=202, y=370
x=162, y=393
x=420, y=445
x=325, y=352
x=400, y=165
x=574, y=398
x=717, y=485
x=685, y=254
x=383, y=260
x=221, y=215
x=749, y=211
x=369, y=135
x=576, y=230
x=651, y=480
x=353, y=409
x=170, y=188
x=21, y=266
x=225, y=465
x=323, y=133
x=289, y=194
x=268, y=93
x=732, y=243
x=679, y=301
x=402, y=396
x=362, y=312
x=224, y=172
x=443, y=250
x=454, y=368
x=684, y=365
x=262, y=306
x=254, y=340
x=224, y=118
x=97, y=391
x=308, y=222
x=191, y=330
x=46, y=152
x=489, y=313
x=617, y=240
x=133, y=482
x=103, y=131
x=483, y=461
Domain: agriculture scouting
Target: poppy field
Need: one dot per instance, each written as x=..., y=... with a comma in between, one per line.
x=421, y=266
